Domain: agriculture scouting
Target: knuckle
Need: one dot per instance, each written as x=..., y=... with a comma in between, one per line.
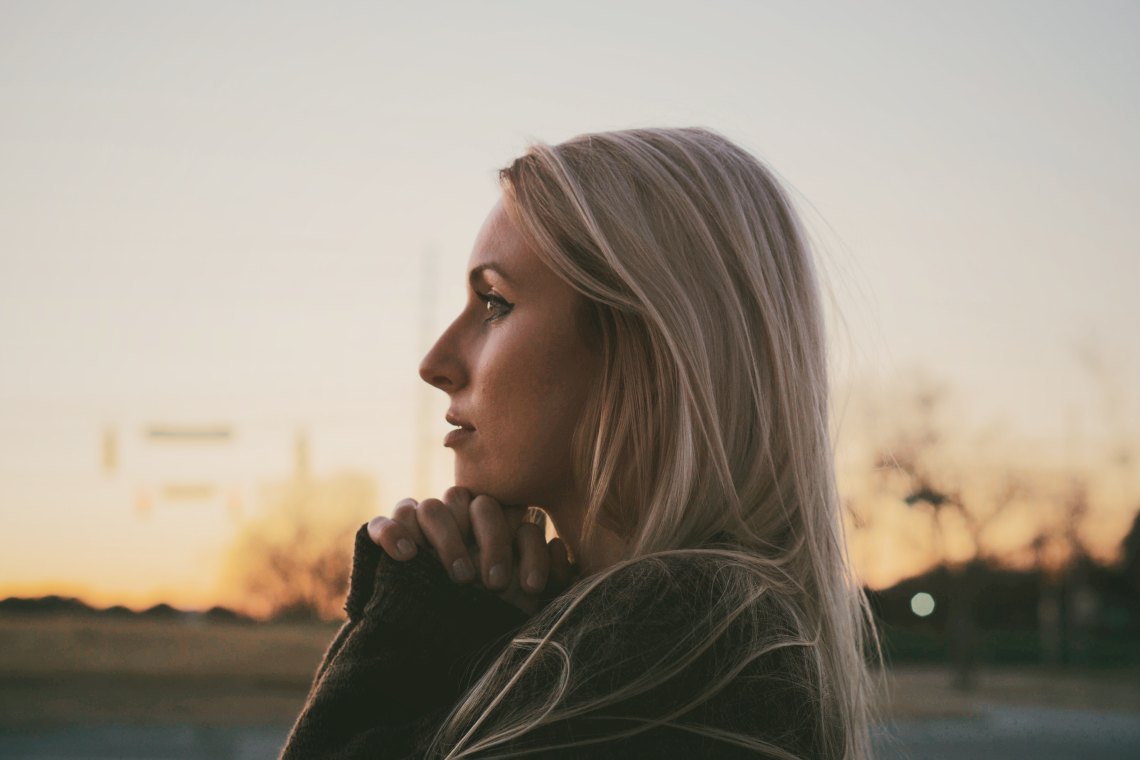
x=457, y=494
x=486, y=501
x=481, y=510
x=389, y=532
x=431, y=509
x=437, y=525
x=403, y=511
x=376, y=526
x=485, y=508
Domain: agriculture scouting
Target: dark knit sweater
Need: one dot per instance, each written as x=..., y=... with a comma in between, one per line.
x=415, y=641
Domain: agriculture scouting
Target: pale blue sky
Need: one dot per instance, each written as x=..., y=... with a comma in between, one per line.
x=218, y=211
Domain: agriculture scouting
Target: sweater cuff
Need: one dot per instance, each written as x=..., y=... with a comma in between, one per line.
x=419, y=597
x=365, y=557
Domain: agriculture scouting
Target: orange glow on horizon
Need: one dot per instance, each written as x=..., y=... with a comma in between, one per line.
x=185, y=599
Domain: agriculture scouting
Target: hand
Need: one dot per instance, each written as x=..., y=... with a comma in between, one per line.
x=466, y=532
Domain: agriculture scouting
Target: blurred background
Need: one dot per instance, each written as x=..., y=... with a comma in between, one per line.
x=230, y=231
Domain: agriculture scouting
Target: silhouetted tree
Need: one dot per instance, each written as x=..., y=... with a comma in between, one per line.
x=912, y=467
x=1117, y=454
x=1130, y=554
x=293, y=561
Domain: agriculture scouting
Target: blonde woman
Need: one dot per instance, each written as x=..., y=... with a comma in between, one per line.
x=641, y=360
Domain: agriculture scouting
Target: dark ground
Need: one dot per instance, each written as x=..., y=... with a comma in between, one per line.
x=81, y=688
x=996, y=733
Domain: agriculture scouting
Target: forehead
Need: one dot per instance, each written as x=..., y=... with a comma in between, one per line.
x=502, y=246
x=512, y=263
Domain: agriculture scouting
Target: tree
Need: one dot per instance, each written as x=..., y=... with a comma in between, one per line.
x=293, y=561
x=1130, y=554
x=916, y=468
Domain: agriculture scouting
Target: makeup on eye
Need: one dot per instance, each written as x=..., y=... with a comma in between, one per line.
x=497, y=306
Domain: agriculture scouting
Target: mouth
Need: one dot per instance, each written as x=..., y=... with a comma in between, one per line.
x=461, y=424
x=462, y=431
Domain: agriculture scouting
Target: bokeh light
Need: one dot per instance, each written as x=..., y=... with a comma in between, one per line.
x=922, y=604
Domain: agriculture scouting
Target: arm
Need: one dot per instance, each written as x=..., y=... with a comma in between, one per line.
x=396, y=667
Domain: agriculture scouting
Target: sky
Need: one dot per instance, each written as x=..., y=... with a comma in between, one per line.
x=258, y=216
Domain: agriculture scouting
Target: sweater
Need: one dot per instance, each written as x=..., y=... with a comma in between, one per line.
x=415, y=641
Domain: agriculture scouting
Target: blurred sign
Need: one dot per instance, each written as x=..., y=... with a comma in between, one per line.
x=110, y=450
x=218, y=433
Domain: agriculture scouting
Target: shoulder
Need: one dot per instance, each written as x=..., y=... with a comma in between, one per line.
x=709, y=600
x=680, y=582
x=693, y=635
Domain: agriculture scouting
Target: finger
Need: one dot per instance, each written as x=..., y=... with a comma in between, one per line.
x=439, y=528
x=392, y=537
x=516, y=515
x=405, y=515
x=458, y=500
x=534, y=559
x=493, y=535
x=561, y=571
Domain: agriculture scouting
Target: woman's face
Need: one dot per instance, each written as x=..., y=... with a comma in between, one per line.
x=518, y=369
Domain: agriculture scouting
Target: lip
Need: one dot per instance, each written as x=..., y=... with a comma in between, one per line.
x=453, y=419
x=457, y=436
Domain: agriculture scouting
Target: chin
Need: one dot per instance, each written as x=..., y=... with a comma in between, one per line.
x=488, y=485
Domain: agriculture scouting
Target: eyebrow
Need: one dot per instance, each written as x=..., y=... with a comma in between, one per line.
x=479, y=270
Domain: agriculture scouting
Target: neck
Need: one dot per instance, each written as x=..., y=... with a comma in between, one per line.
x=604, y=547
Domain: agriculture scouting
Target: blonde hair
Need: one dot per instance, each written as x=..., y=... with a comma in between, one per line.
x=709, y=418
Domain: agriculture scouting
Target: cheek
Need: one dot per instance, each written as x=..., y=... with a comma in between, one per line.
x=536, y=382
x=531, y=394
x=520, y=391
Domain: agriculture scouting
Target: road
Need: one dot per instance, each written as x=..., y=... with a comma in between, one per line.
x=1002, y=732
x=996, y=733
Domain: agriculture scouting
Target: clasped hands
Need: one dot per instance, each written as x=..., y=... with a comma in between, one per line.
x=481, y=542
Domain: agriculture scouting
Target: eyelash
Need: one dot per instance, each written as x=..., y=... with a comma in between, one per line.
x=503, y=307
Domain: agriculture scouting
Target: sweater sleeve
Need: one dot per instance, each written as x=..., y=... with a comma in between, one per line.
x=394, y=670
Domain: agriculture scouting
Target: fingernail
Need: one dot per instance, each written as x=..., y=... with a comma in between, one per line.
x=461, y=570
x=498, y=576
x=406, y=547
x=534, y=581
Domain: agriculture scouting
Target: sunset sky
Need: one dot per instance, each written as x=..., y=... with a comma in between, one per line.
x=259, y=216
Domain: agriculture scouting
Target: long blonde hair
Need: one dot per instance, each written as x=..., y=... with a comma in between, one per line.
x=709, y=418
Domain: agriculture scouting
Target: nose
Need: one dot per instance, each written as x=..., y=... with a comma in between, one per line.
x=442, y=366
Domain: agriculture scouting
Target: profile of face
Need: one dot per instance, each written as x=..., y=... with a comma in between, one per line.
x=518, y=369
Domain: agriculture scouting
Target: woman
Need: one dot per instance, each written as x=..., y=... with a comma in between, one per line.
x=641, y=360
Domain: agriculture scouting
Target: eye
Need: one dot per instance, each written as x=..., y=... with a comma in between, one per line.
x=497, y=307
